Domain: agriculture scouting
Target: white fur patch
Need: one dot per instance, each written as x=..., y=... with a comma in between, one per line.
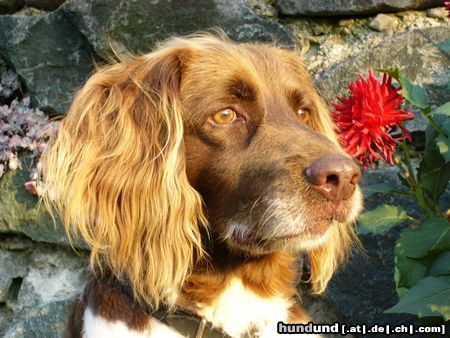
x=98, y=327
x=238, y=310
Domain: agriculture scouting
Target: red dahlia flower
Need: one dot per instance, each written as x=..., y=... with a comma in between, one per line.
x=367, y=118
x=447, y=7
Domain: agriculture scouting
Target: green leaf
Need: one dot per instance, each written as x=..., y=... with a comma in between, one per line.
x=445, y=126
x=407, y=270
x=429, y=297
x=392, y=71
x=442, y=110
x=401, y=292
x=403, y=181
x=381, y=219
x=443, y=144
x=383, y=188
x=413, y=93
x=445, y=46
x=433, y=235
x=434, y=170
x=441, y=265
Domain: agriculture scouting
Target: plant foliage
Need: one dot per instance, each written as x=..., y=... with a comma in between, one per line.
x=422, y=253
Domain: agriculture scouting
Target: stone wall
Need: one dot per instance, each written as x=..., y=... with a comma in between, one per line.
x=52, y=45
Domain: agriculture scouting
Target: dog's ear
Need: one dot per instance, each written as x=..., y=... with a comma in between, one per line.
x=117, y=169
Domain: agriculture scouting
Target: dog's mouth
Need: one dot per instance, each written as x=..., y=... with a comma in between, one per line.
x=300, y=237
x=246, y=237
x=338, y=212
x=295, y=241
x=293, y=231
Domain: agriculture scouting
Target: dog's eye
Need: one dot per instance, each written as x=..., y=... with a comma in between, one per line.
x=302, y=112
x=225, y=116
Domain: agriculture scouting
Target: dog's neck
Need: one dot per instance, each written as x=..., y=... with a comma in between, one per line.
x=225, y=260
x=239, y=293
x=273, y=274
x=249, y=295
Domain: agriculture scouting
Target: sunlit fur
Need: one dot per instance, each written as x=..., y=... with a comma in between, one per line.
x=325, y=259
x=117, y=170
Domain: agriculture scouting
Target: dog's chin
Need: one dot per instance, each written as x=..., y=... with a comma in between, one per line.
x=304, y=240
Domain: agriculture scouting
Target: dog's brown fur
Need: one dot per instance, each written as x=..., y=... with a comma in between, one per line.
x=177, y=204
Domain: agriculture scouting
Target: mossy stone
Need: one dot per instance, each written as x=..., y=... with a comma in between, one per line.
x=137, y=25
x=52, y=58
x=22, y=213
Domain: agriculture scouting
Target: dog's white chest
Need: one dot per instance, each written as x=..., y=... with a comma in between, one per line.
x=239, y=310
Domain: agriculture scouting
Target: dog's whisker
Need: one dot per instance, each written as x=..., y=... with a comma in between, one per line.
x=264, y=214
x=253, y=206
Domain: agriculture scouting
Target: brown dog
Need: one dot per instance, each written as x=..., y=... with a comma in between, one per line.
x=196, y=173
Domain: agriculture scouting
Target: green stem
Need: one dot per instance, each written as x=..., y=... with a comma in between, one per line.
x=408, y=162
x=411, y=177
x=403, y=193
x=422, y=201
x=432, y=123
x=425, y=112
x=406, y=174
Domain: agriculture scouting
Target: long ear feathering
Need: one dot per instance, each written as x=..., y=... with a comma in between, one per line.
x=325, y=259
x=117, y=169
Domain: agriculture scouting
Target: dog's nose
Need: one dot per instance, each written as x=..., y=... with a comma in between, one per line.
x=333, y=177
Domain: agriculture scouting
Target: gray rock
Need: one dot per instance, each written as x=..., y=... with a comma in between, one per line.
x=15, y=243
x=438, y=13
x=13, y=268
x=414, y=52
x=345, y=7
x=48, y=5
x=10, y=6
x=137, y=25
x=384, y=22
x=21, y=213
x=49, y=54
x=48, y=320
x=9, y=83
x=45, y=293
x=53, y=275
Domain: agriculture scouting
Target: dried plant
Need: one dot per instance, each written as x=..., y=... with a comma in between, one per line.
x=22, y=128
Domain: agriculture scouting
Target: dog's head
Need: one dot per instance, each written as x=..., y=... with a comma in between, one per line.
x=207, y=134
